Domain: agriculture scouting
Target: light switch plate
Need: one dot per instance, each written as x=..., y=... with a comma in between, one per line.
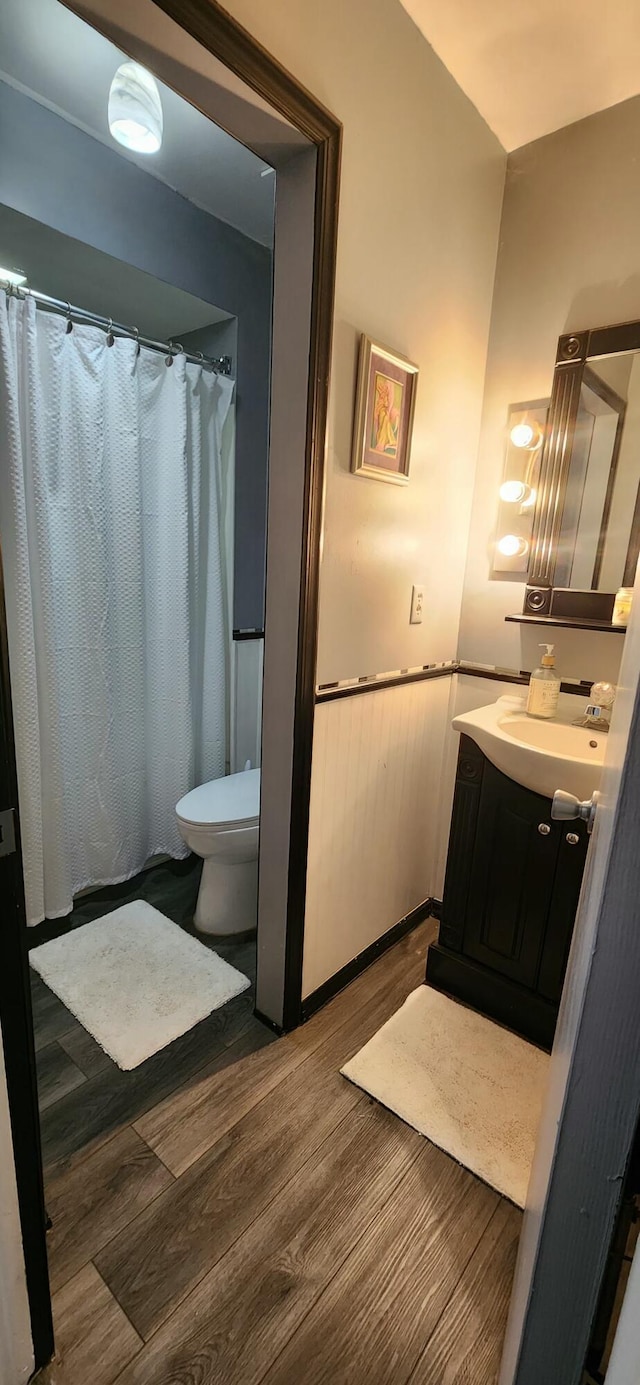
x=417, y=602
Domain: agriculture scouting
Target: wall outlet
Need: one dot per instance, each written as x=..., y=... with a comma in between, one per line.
x=417, y=602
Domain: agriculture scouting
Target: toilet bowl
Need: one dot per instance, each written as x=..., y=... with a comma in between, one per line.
x=220, y=822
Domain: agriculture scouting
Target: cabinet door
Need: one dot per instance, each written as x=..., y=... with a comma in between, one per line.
x=512, y=874
x=571, y=859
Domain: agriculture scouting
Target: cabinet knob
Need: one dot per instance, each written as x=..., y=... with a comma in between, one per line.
x=573, y=838
x=544, y=829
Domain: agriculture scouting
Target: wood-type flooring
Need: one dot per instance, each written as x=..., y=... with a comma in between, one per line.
x=234, y=1211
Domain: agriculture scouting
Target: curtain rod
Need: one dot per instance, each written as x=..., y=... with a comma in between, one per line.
x=221, y=364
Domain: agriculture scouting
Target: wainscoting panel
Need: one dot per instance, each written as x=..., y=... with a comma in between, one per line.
x=375, y=806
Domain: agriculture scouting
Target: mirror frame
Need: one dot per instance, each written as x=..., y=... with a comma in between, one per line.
x=575, y=350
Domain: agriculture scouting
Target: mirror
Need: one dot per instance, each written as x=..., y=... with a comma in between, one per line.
x=602, y=481
x=586, y=528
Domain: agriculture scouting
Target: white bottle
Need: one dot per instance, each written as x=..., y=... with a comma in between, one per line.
x=544, y=686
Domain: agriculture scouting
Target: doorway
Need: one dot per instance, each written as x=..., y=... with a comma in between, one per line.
x=270, y=114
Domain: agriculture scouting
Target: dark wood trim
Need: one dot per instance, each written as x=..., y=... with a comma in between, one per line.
x=239, y=635
x=329, y=149
x=237, y=49
x=573, y=603
x=520, y=1010
x=332, y=692
x=17, y=1037
x=436, y=909
x=495, y=675
x=580, y=688
x=348, y=973
x=270, y=1024
x=568, y=623
x=609, y=341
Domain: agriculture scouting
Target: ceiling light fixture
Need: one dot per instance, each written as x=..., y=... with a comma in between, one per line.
x=12, y=276
x=135, y=109
x=512, y=546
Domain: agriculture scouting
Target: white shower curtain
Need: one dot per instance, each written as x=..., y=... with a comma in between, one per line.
x=114, y=485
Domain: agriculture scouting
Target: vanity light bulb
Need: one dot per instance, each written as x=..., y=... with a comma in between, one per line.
x=523, y=435
x=512, y=546
x=513, y=491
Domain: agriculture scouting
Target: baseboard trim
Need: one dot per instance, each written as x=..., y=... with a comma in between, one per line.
x=358, y=964
x=270, y=1024
x=436, y=909
x=492, y=995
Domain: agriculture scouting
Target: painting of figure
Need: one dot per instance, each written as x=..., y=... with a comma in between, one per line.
x=387, y=408
x=384, y=414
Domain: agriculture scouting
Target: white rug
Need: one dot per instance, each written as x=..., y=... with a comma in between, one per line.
x=136, y=980
x=473, y=1088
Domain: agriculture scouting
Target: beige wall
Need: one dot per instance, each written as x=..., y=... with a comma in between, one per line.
x=569, y=258
x=421, y=195
x=420, y=204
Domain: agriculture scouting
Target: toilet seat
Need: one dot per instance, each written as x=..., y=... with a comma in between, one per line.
x=223, y=804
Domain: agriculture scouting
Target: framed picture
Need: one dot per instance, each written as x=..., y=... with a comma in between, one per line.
x=385, y=403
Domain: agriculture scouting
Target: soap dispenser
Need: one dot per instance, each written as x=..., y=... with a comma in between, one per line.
x=544, y=686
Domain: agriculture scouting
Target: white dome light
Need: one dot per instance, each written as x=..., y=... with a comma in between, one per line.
x=135, y=109
x=15, y=277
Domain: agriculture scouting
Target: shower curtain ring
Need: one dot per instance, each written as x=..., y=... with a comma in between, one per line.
x=174, y=350
x=110, y=336
x=69, y=322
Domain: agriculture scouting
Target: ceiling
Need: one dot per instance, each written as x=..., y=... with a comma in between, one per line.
x=533, y=66
x=53, y=56
x=68, y=269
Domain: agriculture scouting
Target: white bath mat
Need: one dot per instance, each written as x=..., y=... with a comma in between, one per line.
x=474, y=1089
x=136, y=980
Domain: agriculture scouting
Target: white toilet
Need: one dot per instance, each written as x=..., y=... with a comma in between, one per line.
x=220, y=822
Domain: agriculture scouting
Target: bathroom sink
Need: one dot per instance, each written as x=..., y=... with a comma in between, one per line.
x=540, y=755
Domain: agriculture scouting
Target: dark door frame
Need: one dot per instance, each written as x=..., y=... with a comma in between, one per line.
x=227, y=41
x=17, y=1032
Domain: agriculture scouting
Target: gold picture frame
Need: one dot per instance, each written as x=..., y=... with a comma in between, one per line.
x=385, y=407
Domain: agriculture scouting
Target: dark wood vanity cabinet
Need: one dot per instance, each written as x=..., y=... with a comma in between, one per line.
x=510, y=898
